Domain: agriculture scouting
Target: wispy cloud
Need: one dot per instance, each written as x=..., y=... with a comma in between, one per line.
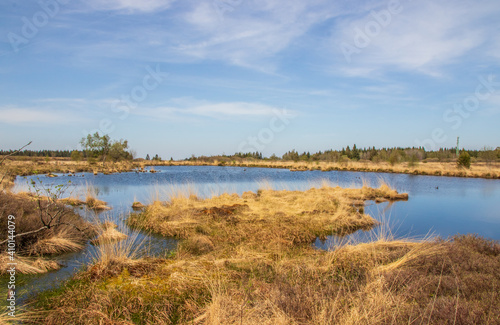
x=250, y=36
x=253, y=33
x=23, y=115
x=235, y=110
x=425, y=37
x=130, y=6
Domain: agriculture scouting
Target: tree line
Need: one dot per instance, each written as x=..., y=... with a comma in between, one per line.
x=94, y=147
x=392, y=155
x=103, y=148
x=37, y=153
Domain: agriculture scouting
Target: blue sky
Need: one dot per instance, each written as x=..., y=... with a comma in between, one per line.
x=220, y=76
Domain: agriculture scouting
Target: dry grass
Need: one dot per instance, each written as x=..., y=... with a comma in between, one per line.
x=27, y=265
x=58, y=243
x=33, y=166
x=439, y=283
x=20, y=317
x=248, y=260
x=31, y=248
x=95, y=204
x=108, y=233
x=25, y=208
x=137, y=205
x=73, y=201
x=483, y=170
x=265, y=220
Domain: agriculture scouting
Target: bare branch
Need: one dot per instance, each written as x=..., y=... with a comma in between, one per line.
x=25, y=233
x=13, y=153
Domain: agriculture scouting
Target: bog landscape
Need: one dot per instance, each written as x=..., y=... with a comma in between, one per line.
x=254, y=240
x=249, y=162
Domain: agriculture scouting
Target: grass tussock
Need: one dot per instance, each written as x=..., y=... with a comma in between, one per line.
x=138, y=205
x=73, y=201
x=58, y=243
x=96, y=204
x=440, y=282
x=28, y=265
x=264, y=221
x=108, y=233
x=113, y=256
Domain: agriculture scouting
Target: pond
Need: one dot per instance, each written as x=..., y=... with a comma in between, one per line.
x=443, y=206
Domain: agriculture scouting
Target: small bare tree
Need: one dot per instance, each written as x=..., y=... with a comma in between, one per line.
x=51, y=212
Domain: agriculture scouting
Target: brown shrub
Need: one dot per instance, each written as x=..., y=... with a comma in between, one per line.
x=25, y=209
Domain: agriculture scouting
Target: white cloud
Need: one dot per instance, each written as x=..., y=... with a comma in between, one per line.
x=131, y=6
x=426, y=36
x=252, y=33
x=17, y=115
x=213, y=110
x=232, y=109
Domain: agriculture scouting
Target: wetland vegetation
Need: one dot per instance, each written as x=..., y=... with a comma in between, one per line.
x=247, y=258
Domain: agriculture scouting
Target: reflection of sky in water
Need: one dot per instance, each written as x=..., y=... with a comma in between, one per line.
x=442, y=205
x=445, y=205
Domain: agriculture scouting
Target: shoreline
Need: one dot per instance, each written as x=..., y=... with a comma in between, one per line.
x=443, y=169
x=425, y=169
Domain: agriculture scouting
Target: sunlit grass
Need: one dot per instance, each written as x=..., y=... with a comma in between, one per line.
x=248, y=259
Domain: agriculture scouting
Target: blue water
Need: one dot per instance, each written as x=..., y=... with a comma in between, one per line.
x=443, y=206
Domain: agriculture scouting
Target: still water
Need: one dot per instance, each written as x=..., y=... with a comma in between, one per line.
x=442, y=206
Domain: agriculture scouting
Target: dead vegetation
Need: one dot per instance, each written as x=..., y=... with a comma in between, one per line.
x=108, y=233
x=40, y=237
x=249, y=260
x=24, y=166
x=138, y=205
x=433, y=282
x=259, y=220
x=481, y=170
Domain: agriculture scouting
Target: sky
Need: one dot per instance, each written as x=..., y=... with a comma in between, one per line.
x=206, y=77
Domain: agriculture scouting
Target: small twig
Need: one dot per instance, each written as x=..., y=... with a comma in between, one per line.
x=25, y=233
x=13, y=153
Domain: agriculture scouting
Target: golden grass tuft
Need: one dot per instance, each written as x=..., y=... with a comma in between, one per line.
x=276, y=218
x=96, y=204
x=138, y=205
x=27, y=265
x=56, y=244
x=108, y=233
x=198, y=245
x=73, y=201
